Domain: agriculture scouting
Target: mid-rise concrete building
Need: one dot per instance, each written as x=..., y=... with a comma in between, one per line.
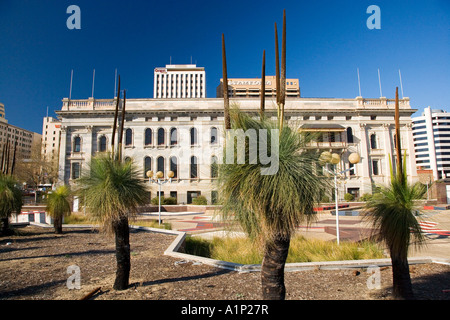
x=21, y=139
x=251, y=88
x=51, y=134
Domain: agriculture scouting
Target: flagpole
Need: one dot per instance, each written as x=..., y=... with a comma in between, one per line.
x=401, y=84
x=379, y=82
x=93, y=83
x=359, y=83
x=71, y=78
x=115, y=83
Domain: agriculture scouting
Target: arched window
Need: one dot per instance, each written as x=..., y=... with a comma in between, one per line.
x=77, y=144
x=194, y=167
x=193, y=136
x=373, y=141
x=102, y=144
x=160, y=164
x=128, y=137
x=173, y=137
x=148, y=136
x=174, y=166
x=349, y=135
x=214, y=167
x=161, y=137
x=147, y=165
x=214, y=135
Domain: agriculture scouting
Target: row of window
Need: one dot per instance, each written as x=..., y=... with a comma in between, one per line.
x=149, y=138
x=160, y=165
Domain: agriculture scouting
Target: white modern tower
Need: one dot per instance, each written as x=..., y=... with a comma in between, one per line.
x=431, y=133
x=180, y=81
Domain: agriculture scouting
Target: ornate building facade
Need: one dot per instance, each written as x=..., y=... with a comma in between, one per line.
x=186, y=136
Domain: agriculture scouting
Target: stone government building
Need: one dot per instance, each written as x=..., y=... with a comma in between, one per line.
x=186, y=136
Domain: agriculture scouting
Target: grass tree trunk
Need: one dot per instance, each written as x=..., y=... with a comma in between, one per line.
x=401, y=278
x=5, y=227
x=57, y=224
x=272, y=268
x=122, y=235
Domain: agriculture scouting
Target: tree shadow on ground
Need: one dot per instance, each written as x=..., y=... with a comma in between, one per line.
x=188, y=278
x=432, y=287
x=65, y=254
x=30, y=290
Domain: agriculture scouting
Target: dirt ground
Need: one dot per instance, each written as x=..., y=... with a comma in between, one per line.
x=34, y=266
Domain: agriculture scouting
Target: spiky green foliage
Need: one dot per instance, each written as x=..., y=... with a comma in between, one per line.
x=10, y=199
x=268, y=205
x=392, y=214
x=10, y=196
x=58, y=204
x=111, y=189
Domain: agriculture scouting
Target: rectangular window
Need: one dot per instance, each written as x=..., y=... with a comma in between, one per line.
x=375, y=167
x=214, y=197
x=76, y=170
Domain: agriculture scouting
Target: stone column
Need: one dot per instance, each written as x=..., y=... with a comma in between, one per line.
x=88, y=144
x=388, y=150
x=62, y=157
x=366, y=182
x=411, y=161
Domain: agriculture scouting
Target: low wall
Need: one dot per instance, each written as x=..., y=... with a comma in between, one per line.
x=31, y=216
x=177, y=208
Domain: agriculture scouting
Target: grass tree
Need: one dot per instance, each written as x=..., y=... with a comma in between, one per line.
x=10, y=201
x=112, y=191
x=270, y=207
x=392, y=214
x=58, y=206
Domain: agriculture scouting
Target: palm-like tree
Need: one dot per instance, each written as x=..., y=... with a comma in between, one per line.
x=270, y=207
x=112, y=191
x=10, y=200
x=58, y=206
x=393, y=216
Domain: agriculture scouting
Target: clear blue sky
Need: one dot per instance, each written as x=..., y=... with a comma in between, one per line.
x=327, y=41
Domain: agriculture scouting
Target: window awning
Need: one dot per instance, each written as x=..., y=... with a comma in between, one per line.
x=322, y=127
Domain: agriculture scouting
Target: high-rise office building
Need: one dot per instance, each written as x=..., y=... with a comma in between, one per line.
x=431, y=132
x=178, y=81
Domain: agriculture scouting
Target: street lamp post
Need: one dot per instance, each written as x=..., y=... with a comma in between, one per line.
x=334, y=159
x=159, y=181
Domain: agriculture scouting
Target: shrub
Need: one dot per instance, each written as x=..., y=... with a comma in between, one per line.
x=349, y=197
x=200, y=200
x=325, y=199
x=164, y=200
x=246, y=251
x=365, y=197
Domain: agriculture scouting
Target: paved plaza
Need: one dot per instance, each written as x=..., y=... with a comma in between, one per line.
x=435, y=223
